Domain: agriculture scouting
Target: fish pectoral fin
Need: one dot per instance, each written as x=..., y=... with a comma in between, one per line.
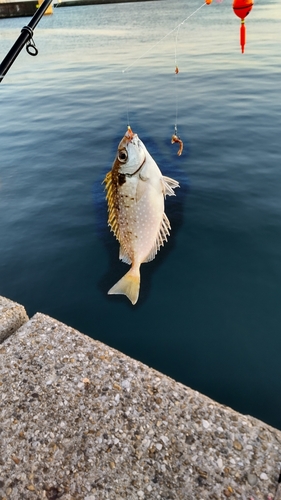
x=141, y=189
x=129, y=285
x=169, y=185
x=143, y=177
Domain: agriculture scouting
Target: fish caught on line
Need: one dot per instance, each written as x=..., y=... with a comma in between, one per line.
x=136, y=190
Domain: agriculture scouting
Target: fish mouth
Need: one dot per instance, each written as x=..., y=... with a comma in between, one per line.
x=128, y=137
x=129, y=134
x=122, y=155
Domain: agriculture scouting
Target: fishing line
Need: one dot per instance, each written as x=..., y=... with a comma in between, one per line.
x=175, y=137
x=176, y=81
x=161, y=40
x=128, y=93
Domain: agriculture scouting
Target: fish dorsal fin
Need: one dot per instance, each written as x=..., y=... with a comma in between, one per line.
x=112, y=215
x=161, y=237
x=111, y=200
x=169, y=185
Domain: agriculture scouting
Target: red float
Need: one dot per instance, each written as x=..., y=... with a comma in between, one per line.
x=242, y=8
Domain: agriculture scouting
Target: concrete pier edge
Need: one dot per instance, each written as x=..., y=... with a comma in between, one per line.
x=82, y=421
x=12, y=316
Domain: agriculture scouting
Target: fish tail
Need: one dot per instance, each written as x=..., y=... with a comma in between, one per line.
x=129, y=285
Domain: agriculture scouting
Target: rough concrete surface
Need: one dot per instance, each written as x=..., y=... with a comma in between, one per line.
x=81, y=421
x=12, y=316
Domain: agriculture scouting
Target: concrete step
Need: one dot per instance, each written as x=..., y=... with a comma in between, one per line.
x=12, y=316
x=82, y=421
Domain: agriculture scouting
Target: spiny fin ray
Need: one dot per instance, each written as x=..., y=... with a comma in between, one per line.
x=124, y=256
x=161, y=237
x=111, y=200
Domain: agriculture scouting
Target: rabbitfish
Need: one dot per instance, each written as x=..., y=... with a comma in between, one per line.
x=135, y=194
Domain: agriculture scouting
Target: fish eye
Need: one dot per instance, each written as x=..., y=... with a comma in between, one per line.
x=123, y=156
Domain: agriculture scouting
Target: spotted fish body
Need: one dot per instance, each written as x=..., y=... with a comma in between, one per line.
x=135, y=194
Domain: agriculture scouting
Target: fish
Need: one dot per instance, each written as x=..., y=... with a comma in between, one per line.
x=135, y=194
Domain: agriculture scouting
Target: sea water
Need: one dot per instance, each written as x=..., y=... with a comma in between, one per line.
x=209, y=310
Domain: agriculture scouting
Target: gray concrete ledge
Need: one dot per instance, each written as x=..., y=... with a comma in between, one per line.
x=12, y=316
x=81, y=421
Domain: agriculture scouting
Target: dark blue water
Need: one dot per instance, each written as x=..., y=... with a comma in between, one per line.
x=209, y=312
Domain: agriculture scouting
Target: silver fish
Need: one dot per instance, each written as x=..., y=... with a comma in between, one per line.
x=135, y=194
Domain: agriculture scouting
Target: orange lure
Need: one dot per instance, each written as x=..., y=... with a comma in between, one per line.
x=242, y=8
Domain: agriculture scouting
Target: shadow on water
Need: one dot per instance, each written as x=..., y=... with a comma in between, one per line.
x=165, y=156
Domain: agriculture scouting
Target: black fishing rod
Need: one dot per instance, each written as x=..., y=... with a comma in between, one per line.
x=26, y=37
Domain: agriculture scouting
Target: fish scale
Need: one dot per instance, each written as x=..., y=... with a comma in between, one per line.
x=137, y=221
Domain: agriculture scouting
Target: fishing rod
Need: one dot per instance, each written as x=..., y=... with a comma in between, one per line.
x=26, y=37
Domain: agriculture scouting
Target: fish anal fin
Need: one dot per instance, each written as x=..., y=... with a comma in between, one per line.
x=124, y=256
x=162, y=236
x=169, y=185
x=129, y=285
